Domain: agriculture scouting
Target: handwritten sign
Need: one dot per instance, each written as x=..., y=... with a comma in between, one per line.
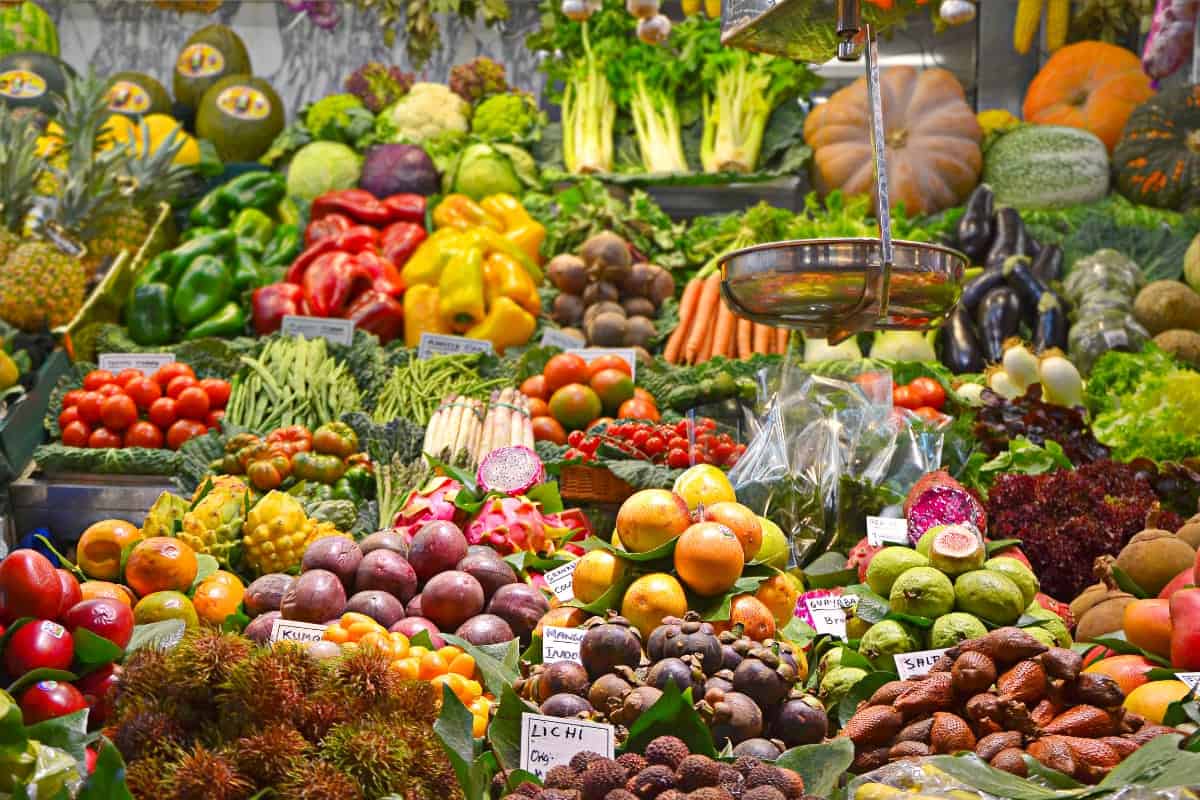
x=590, y=354
x=549, y=741
x=886, y=530
x=561, y=644
x=440, y=344
x=288, y=630
x=334, y=331
x=554, y=337
x=828, y=613
x=914, y=665
x=146, y=363
x=1192, y=679
x=561, y=580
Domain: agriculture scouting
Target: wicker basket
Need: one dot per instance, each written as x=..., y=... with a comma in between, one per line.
x=592, y=485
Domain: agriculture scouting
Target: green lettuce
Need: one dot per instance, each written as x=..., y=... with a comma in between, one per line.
x=1160, y=420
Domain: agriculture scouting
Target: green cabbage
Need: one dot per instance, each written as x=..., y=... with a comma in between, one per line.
x=322, y=167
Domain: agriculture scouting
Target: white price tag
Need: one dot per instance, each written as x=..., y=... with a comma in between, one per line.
x=886, y=530
x=147, y=363
x=553, y=337
x=561, y=644
x=829, y=614
x=288, y=630
x=914, y=665
x=331, y=329
x=440, y=344
x=590, y=354
x=560, y=581
x=1192, y=679
x=549, y=741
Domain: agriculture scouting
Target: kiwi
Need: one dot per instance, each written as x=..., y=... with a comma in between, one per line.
x=600, y=292
x=568, y=273
x=607, y=329
x=568, y=309
x=1153, y=557
x=1104, y=617
x=638, y=307
x=639, y=331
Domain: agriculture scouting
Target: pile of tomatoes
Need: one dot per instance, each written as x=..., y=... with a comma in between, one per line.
x=573, y=394
x=679, y=445
x=924, y=396
x=130, y=409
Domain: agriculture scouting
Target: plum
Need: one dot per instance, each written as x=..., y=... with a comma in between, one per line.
x=378, y=605
x=316, y=596
x=485, y=629
x=521, y=606
x=387, y=571
x=437, y=547
x=336, y=554
x=491, y=571
x=266, y=593
x=259, y=629
x=411, y=626
x=388, y=539
x=451, y=598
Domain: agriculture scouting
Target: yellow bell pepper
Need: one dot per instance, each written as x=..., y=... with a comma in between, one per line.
x=460, y=291
x=426, y=263
x=496, y=243
x=504, y=277
x=421, y=313
x=506, y=325
x=519, y=228
x=460, y=211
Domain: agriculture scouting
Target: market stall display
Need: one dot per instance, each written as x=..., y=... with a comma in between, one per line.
x=482, y=486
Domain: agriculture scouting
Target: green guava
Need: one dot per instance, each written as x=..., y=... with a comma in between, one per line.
x=922, y=592
x=956, y=549
x=837, y=683
x=887, y=638
x=889, y=564
x=926, y=540
x=950, y=629
x=1020, y=574
x=1042, y=635
x=1050, y=622
x=990, y=596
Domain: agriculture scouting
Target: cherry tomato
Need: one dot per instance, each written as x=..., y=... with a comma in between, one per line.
x=118, y=412
x=89, y=407
x=104, y=438
x=678, y=459
x=162, y=412
x=177, y=385
x=72, y=398
x=143, y=391
x=905, y=397
x=68, y=415
x=126, y=375
x=49, y=699
x=29, y=586
x=214, y=418
x=109, y=389
x=191, y=403
x=929, y=392
x=97, y=378
x=76, y=434
x=654, y=445
x=168, y=372
x=41, y=643
x=217, y=391
x=930, y=414
x=183, y=430
x=143, y=434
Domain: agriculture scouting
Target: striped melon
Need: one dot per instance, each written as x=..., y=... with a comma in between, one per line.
x=25, y=26
x=1047, y=166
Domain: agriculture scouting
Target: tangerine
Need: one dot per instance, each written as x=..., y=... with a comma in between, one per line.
x=595, y=574
x=227, y=578
x=1147, y=625
x=99, y=549
x=742, y=521
x=779, y=594
x=613, y=387
x=1151, y=700
x=651, y=598
x=598, y=365
x=92, y=590
x=215, y=600
x=160, y=563
x=709, y=559
x=548, y=429
x=574, y=405
x=563, y=369
x=650, y=518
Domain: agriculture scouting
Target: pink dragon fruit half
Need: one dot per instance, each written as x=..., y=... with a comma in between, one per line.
x=938, y=499
x=433, y=501
x=509, y=524
x=510, y=470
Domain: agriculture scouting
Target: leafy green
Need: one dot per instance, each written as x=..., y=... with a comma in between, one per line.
x=709, y=238
x=210, y=358
x=1022, y=456
x=58, y=458
x=1118, y=373
x=672, y=714
x=821, y=765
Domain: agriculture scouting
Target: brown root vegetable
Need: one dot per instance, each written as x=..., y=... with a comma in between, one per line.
x=606, y=256
x=639, y=331
x=638, y=307
x=607, y=329
x=600, y=292
x=567, y=309
x=568, y=273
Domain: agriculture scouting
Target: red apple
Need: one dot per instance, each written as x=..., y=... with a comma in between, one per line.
x=70, y=591
x=41, y=643
x=29, y=586
x=1181, y=581
x=49, y=699
x=103, y=616
x=99, y=689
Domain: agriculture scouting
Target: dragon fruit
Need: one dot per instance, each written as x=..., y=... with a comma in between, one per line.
x=510, y=470
x=938, y=499
x=509, y=524
x=860, y=557
x=804, y=612
x=433, y=501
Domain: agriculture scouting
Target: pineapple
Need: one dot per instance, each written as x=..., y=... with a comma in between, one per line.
x=19, y=171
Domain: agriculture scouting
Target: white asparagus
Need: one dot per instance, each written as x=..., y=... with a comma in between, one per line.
x=528, y=429
x=434, y=430
x=489, y=424
x=463, y=435
x=522, y=420
x=454, y=418
x=503, y=420
x=473, y=425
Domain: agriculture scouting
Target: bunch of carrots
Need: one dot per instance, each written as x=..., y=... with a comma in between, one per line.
x=707, y=328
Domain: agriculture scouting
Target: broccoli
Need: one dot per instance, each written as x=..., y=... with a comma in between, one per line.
x=508, y=118
x=378, y=85
x=479, y=78
x=427, y=110
x=338, y=118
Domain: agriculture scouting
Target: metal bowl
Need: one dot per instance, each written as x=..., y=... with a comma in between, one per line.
x=836, y=287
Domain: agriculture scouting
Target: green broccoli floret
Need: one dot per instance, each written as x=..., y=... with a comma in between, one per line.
x=508, y=118
x=378, y=85
x=338, y=118
x=477, y=79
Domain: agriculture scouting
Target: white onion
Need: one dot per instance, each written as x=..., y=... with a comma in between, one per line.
x=1062, y=384
x=1021, y=365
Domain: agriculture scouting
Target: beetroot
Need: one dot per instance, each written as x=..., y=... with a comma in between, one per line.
x=938, y=499
x=510, y=470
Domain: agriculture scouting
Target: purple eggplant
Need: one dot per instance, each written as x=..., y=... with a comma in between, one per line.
x=975, y=227
x=1010, y=238
x=1028, y=288
x=998, y=317
x=1050, y=329
x=960, y=345
x=978, y=286
x=1048, y=266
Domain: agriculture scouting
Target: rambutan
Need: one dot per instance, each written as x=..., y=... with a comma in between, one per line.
x=270, y=686
x=144, y=778
x=145, y=676
x=212, y=655
x=370, y=751
x=203, y=774
x=320, y=712
x=318, y=780
x=367, y=679
x=147, y=733
x=269, y=755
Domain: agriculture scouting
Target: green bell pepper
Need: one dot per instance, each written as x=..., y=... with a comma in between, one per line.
x=362, y=480
x=284, y=246
x=245, y=269
x=213, y=244
x=195, y=233
x=228, y=321
x=205, y=286
x=158, y=269
x=210, y=211
x=288, y=213
x=261, y=190
x=343, y=489
x=149, y=316
x=252, y=224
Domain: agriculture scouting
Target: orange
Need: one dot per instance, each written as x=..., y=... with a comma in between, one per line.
x=1152, y=699
x=160, y=563
x=742, y=521
x=709, y=558
x=755, y=618
x=649, y=518
x=99, y=549
x=227, y=578
x=214, y=601
x=1147, y=625
x=1128, y=671
x=90, y=590
x=650, y=598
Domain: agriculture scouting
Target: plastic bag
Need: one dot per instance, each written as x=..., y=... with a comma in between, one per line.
x=1091, y=338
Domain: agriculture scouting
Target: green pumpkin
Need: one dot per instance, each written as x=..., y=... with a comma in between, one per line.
x=1157, y=159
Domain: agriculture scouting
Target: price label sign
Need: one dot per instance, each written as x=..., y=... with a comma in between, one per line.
x=828, y=613
x=914, y=665
x=1192, y=679
x=560, y=581
x=440, y=344
x=549, y=741
x=627, y=354
x=561, y=644
x=287, y=630
x=553, y=337
x=146, y=363
x=883, y=531
x=334, y=331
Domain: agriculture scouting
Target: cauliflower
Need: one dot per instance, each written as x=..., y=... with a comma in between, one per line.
x=338, y=118
x=427, y=110
x=507, y=118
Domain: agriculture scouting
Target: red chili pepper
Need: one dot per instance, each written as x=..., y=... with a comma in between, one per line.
x=272, y=303
x=400, y=239
x=331, y=281
x=406, y=208
x=357, y=239
x=359, y=205
x=377, y=313
x=385, y=278
x=329, y=225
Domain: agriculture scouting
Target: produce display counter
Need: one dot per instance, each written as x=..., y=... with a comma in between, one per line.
x=71, y=502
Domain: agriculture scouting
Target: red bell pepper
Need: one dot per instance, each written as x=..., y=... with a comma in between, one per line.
x=385, y=278
x=272, y=303
x=357, y=239
x=379, y=314
x=406, y=208
x=329, y=225
x=1185, y=629
x=311, y=253
x=353, y=240
x=400, y=240
x=330, y=282
x=361, y=206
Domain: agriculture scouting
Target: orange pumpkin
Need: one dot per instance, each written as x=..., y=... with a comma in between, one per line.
x=932, y=140
x=1089, y=85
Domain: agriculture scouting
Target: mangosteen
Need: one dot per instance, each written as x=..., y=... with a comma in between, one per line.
x=729, y=657
x=757, y=680
x=565, y=705
x=608, y=691
x=635, y=704
x=721, y=682
x=563, y=677
x=800, y=721
x=673, y=670
x=654, y=642
x=693, y=637
x=762, y=749
x=735, y=719
x=609, y=645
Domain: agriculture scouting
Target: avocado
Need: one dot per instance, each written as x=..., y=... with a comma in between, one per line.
x=241, y=115
x=29, y=79
x=136, y=94
x=209, y=54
